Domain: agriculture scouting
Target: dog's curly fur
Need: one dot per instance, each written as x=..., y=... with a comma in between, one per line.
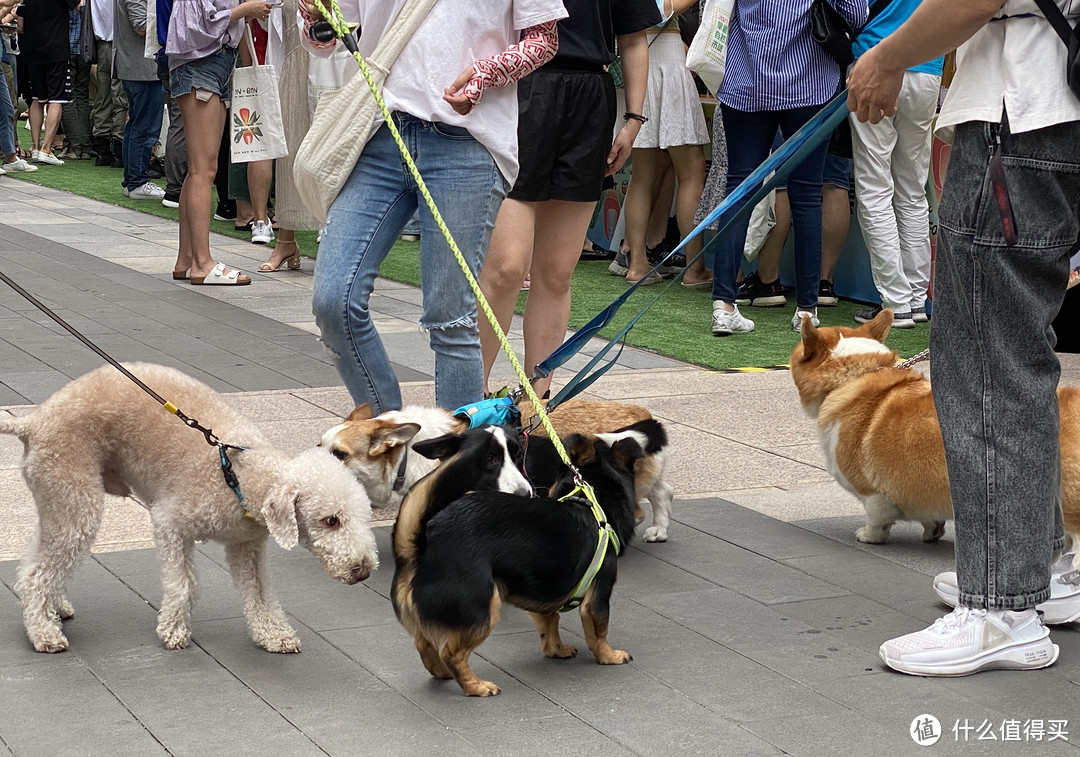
x=102, y=434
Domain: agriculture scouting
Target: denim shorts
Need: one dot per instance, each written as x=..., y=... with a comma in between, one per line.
x=211, y=75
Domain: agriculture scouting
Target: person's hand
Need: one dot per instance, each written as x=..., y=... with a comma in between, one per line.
x=873, y=88
x=454, y=95
x=255, y=9
x=620, y=148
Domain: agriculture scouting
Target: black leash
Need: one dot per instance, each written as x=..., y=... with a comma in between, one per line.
x=211, y=439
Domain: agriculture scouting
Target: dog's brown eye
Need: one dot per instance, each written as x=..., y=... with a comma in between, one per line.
x=340, y=454
x=331, y=522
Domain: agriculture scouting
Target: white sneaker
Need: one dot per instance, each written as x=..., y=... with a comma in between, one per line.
x=725, y=323
x=262, y=232
x=148, y=191
x=797, y=319
x=1062, y=607
x=3, y=172
x=39, y=156
x=19, y=164
x=966, y=641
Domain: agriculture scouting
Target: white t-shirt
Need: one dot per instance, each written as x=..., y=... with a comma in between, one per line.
x=1015, y=64
x=453, y=35
x=102, y=13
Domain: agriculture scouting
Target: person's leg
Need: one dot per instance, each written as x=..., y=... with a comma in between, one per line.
x=769, y=255
x=804, y=194
x=508, y=260
x=663, y=192
x=8, y=145
x=995, y=371
x=260, y=177
x=77, y=114
x=749, y=136
x=559, y=228
x=363, y=225
x=468, y=189
x=874, y=148
x=637, y=208
x=910, y=168
x=286, y=253
x=37, y=120
x=146, y=102
x=689, y=164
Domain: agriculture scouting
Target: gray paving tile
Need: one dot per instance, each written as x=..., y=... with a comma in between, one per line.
x=563, y=735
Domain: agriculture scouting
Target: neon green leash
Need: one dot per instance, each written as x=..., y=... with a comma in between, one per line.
x=607, y=538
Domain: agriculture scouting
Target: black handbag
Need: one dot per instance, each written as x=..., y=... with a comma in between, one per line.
x=1070, y=35
x=832, y=31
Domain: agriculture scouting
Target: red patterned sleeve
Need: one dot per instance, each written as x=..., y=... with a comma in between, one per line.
x=538, y=45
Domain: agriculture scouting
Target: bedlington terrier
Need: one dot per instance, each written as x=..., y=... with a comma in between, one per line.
x=102, y=434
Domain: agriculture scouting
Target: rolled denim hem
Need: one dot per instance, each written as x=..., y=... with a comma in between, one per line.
x=1015, y=602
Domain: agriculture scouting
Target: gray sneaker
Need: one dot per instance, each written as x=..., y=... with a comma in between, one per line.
x=19, y=165
x=725, y=323
x=901, y=319
x=619, y=266
x=919, y=315
x=797, y=319
x=148, y=191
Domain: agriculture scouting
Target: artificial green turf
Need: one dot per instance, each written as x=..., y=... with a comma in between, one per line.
x=678, y=325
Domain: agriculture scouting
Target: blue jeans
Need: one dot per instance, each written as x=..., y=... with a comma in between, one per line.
x=364, y=223
x=995, y=371
x=7, y=119
x=749, y=139
x=146, y=102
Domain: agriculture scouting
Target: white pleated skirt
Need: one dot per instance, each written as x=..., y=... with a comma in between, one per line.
x=671, y=99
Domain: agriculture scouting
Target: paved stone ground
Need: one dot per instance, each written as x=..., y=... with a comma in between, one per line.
x=754, y=630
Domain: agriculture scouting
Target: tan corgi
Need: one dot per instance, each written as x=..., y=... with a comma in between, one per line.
x=878, y=429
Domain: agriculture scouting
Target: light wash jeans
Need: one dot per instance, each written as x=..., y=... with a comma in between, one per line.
x=892, y=161
x=7, y=118
x=992, y=350
x=364, y=223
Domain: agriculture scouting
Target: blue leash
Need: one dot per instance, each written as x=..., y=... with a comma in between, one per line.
x=781, y=163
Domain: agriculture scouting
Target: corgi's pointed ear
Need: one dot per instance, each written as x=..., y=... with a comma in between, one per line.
x=364, y=412
x=879, y=327
x=385, y=439
x=812, y=343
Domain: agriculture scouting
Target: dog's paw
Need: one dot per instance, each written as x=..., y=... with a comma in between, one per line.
x=281, y=645
x=614, y=657
x=933, y=531
x=561, y=652
x=50, y=642
x=480, y=688
x=654, y=534
x=64, y=610
x=174, y=638
x=868, y=535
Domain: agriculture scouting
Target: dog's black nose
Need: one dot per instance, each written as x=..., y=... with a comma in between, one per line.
x=359, y=573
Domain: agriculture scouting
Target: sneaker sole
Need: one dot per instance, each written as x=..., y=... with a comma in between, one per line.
x=921, y=318
x=617, y=270
x=861, y=319
x=773, y=301
x=1031, y=655
x=827, y=302
x=903, y=323
x=170, y=203
x=1051, y=614
x=262, y=240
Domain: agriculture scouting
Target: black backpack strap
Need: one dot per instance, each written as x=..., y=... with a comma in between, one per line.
x=1057, y=19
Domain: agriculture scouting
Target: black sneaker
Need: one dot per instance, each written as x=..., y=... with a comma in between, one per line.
x=170, y=200
x=865, y=315
x=742, y=294
x=156, y=169
x=764, y=295
x=654, y=256
x=225, y=211
x=826, y=297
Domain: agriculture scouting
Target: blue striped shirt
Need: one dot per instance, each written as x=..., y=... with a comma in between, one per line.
x=772, y=61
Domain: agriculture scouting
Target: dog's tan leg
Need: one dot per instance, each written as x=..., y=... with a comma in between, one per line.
x=550, y=641
x=660, y=498
x=455, y=655
x=594, y=621
x=269, y=627
x=932, y=530
x=178, y=582
x=881, y=513
x=429, y=655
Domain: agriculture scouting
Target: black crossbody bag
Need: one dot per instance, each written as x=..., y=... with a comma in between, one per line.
x=831, y=30
x=1070, y=35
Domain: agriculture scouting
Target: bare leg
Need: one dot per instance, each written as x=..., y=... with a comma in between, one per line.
x=505, y=267
x=37, y=119
x=560, y=227
x=286, y=252
x=638, y=207
x=53, y=112
x=689, y=163
x=769, y=256
x=550, y=641
x=267, y=622
x=260, y=176
x=662, y=194
x=835, y=220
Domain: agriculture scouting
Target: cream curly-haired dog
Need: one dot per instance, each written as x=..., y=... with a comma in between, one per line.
x=102, y=434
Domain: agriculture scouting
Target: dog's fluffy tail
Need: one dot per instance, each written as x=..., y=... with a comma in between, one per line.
x=15, y=426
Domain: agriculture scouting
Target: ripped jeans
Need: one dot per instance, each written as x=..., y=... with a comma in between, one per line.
x=365, y=221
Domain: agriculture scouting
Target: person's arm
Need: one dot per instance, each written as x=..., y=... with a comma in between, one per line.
x=634, y=57
x=935, y=28
x=136, y=14
x=250, y=9
x=538, y=45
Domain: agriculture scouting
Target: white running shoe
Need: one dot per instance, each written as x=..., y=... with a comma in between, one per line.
x=3, y=172
x=725, y=323
x=19, y=164
x=797, y=319
x=148, y=191
x=966, y=641
x=40, y=156
x=262, y=232
x=1062, y=607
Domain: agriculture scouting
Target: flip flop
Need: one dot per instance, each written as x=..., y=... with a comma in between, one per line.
x=649, y=279
x=698, y=285
x=218, y=277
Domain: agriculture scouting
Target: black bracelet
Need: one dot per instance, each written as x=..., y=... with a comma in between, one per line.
x=636, y=116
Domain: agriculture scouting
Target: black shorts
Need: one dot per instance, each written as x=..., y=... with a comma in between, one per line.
x=49, y=82
x=566, y=120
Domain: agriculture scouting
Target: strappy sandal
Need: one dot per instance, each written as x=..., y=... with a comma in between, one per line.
x=292, y=263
